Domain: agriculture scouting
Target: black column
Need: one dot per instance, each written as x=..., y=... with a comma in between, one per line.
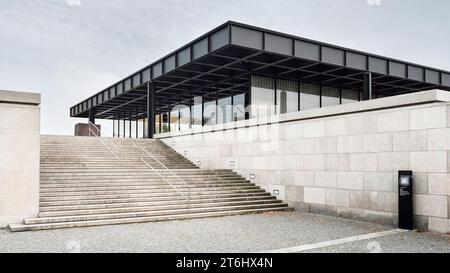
x=92, y=115
x=129, y=126
x=114, y=127
x=367, y=86
x=150, y=110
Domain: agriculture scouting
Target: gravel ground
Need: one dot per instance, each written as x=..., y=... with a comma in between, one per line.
x=248, y=233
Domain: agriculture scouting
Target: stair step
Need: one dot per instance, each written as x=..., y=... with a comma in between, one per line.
x=110, y=216
x=63, y=209
x=148, y=189
x=183, y=216
x=174, y=197
x=154, y=193
x=155, y=207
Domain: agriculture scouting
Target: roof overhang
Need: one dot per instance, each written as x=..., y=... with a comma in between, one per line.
x=224, y=59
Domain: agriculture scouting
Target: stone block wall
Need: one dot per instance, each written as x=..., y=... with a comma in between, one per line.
x=19, y=156
x=341, y=161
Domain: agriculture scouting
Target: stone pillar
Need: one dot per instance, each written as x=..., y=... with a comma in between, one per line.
x=19, y=156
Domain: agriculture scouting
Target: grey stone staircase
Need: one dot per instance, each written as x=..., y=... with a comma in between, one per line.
x=83, y=184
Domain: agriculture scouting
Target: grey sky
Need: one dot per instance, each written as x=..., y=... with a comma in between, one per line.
x=71, y=49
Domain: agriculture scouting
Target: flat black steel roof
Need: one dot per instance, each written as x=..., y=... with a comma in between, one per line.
x=224, y=58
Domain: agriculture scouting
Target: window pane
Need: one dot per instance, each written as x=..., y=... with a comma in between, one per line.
x=287, y=96
x=210, y=113
x=224, y=110
x=239, y=107
x=349, y=96
x=309, y=96
x=185, y=118
x=330, y=96
x=174, y=120
x=197, y=112
x=262, y=96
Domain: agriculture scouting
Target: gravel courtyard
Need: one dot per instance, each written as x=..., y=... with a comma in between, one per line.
x=248, y=233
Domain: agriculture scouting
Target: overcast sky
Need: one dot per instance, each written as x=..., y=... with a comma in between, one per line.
x=70, y=49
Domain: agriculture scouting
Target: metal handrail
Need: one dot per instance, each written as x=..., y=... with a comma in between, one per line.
x=164, y=167
x=90, y=125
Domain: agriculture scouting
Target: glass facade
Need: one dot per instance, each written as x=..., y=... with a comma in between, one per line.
x=287, y=97
x=262, y=96
x=268, y=96
x=330, y=96
x=309, y=96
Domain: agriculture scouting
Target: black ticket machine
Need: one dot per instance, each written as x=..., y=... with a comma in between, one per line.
x=405, y=200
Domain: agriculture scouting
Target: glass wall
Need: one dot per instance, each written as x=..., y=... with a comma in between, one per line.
x=239, y=107
x=330, y=96
x=210, y=113
x=349, y=96
x=185, y=118
x=197, y=111
x=224, y=111
x=309, y=96
x=267, y=96
x=262, y=96
x=287, y=97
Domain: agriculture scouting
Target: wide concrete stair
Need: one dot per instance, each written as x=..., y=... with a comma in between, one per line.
x=87, y=181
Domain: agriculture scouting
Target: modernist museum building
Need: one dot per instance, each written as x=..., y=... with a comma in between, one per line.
x=243, y=120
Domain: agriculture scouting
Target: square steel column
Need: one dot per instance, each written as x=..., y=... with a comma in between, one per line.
x=92, y=115
x=367, y=86
x=150, y=110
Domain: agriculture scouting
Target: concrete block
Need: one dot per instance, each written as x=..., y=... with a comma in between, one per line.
x=440, y=225
x=420, y=183
x=325, y=179
x=337, y=127
x=294, y=193
x=303, y=178
x=293, y=131
x=429, y=117
x=273, y=189
x=410, y=141
x=363, y=124
x=364, y=200
x=315, y=195
x=351, y=213
x=338, y=162
x=327, y=145
x=438, y=183
x=429, y=161
x=350, y=180
x=421, y=223
x=364, y=162
x=314, y=162
x=439, y=139
x=388, y=201
x=379, y=181
x=374, y=143
x=393, y=162
x=393, y=121
x=379, y=217
x=314, y=129
x=350, y=144
x=431, y=205
x=286, y=177
x=337, y=197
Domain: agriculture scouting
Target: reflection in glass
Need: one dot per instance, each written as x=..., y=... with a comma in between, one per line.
x=309, y=96
x=287, y=96
x=349, y=96
x=330, y=96
x=224, y=110
x=262, y=96
x=209, y=114
x=239, y=107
